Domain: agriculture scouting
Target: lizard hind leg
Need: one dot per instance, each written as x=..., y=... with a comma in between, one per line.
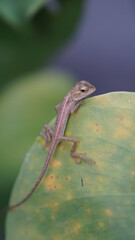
x=76, y=156
x=47, y=134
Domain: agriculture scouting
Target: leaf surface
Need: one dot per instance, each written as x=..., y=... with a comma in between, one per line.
x=82, y=201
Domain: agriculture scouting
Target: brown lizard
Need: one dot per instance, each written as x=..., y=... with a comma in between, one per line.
x=70, y=104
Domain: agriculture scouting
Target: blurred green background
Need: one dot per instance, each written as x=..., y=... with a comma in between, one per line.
x=31, y=32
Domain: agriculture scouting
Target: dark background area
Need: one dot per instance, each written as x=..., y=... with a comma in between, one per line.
x=103, y=48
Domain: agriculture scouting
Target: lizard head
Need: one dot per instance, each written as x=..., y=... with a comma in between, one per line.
x=81, y=90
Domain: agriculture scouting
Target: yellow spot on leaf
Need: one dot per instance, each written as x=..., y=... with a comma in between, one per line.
x=53, y=217
x=51, y=183
x=69, y=196
x=58, y=237
x=117, y=166
x=133, y=145
x=101, y=224
x=108, y=212
x=100, y=179
x=67, y=178
x=88, y=211
x=103, y=101
x=122, y=132
x=22, y=191
x=55, y=163
x=96, y=128
x=55, y=204
x=85, y=181
x=40, y=140
x=68, y=133
x=62, y=147
x=100, y=165
x=133, y=172
x=76, y=228
x=125, y=120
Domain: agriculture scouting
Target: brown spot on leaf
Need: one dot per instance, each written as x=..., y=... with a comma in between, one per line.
x=96, y=128
x=133, y=172
x=51, y=183
x=51, y=177
x=122, y=132
x=58, y=237
x=67, y=178
x=108, y=212
x=121, y=119
x=62, y=148
x=126, y=120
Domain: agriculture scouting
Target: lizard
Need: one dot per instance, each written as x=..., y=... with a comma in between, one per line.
x=70, y=104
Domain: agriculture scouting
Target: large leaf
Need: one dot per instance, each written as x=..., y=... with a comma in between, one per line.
x=17, y=11
x=26, y=48
x=82, y=201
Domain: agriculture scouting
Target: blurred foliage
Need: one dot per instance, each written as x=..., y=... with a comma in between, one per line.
x=29, y=41
x=17, y=11
x=100, y=208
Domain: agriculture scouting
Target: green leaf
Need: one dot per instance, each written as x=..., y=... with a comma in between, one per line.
x=103, y=207
x=18, y=11
x=33, y=44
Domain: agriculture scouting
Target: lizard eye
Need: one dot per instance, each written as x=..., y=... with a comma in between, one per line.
x=83, y=88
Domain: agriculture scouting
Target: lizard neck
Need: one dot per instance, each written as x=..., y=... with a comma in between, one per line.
x=63, y=115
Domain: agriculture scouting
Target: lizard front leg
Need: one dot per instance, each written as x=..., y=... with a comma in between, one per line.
x=47, y=135
x=75, y=108
x=76, y=156
x=57, y=107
